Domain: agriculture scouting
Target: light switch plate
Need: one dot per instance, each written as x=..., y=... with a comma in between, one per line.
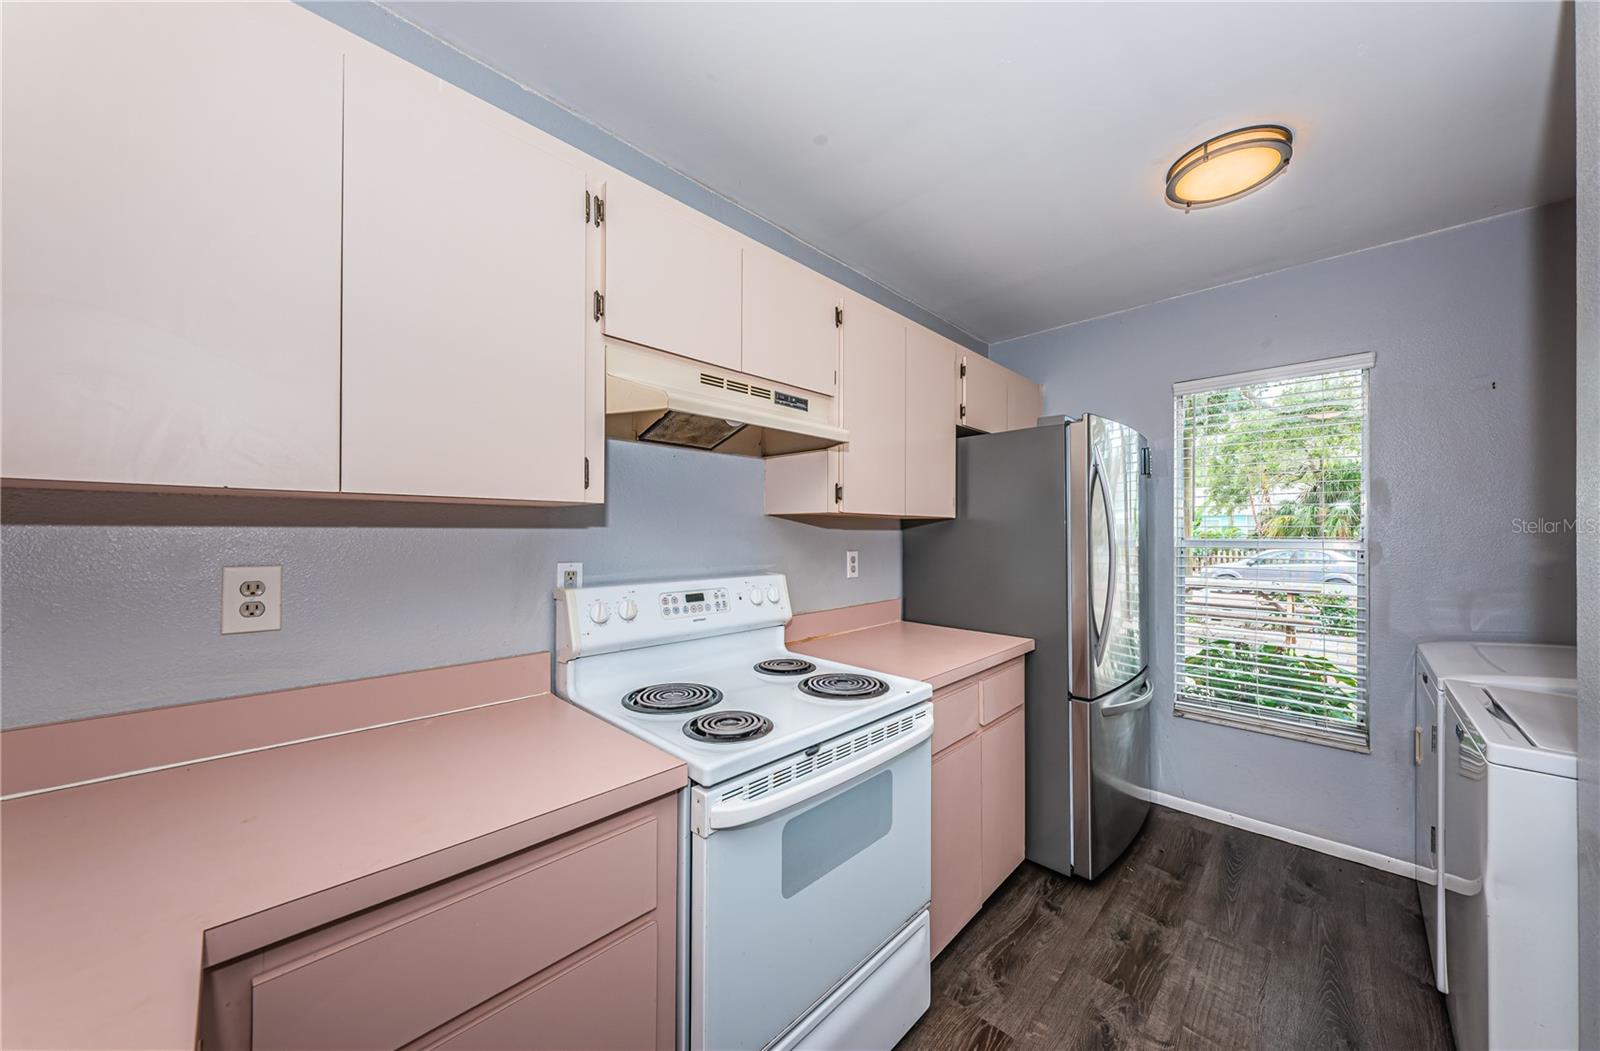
x=252, y=599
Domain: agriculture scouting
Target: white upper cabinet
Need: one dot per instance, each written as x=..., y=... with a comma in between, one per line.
x=790, y=332
x=171, y=199
x=983, y=397
x=872, y=465
x=930, y=386
x=466, y=332
x=672, y=276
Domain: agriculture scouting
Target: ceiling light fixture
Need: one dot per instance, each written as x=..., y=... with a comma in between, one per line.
x=1227, y=167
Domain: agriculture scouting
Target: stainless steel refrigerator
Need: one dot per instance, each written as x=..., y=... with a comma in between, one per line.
x=1049, y=542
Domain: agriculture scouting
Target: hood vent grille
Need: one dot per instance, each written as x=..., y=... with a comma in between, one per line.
x=737, y=386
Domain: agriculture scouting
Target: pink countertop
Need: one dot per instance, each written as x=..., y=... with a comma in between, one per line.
x=107, y=888
x=928, y=652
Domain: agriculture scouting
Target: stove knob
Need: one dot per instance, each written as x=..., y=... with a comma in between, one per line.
x=629, y=609
x=756, y=598
x=599, y=612
x=772, y=594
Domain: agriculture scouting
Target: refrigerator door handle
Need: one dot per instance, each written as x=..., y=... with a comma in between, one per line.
x=1101, y=628
x=1140, y=698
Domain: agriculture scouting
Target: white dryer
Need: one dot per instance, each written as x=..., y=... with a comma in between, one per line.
x=1526, y=665
x=1509, y=758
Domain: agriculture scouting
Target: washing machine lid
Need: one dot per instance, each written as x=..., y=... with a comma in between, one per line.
x=1527, y=729
x=1534, y=665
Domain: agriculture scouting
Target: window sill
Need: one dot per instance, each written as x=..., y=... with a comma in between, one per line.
x=1261, y=726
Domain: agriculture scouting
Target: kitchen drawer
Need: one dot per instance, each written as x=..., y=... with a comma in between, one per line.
x=955, y=714
x=403, y=972
x=604, y=1001
x=1003, y=691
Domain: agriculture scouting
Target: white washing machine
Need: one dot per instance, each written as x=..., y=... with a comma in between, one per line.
x=1525, y=665
x=1509, y=757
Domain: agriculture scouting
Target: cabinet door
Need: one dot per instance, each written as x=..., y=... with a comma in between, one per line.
x=983, y=394
x=171, y=259
x=872, y=465
x=1024, y=402
x=464, y=281
x=789, y=330
x=672, y=276
x=930, y=436
x=1005, y=791
x=957, y=835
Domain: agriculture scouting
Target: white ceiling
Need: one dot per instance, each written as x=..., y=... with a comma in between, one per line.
x=1002, y=165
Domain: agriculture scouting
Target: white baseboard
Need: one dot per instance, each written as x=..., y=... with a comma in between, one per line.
x=1359, y=855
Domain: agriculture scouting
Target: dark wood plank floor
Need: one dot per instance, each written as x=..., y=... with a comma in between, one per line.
x=1202, y=936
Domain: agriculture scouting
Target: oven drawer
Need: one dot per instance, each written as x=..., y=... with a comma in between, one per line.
x=386, y=983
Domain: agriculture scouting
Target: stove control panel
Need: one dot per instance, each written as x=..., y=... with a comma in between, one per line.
x=609, y=617
x=694, y=603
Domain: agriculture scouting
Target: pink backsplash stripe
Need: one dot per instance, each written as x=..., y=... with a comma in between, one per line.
x=845, y=618
x=34, y=758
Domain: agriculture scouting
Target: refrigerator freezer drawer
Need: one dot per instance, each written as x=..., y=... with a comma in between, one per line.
x=1110, y=775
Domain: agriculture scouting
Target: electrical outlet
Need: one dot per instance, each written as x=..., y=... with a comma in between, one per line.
x=852, y=563
x=252, y=599
x=569, y=574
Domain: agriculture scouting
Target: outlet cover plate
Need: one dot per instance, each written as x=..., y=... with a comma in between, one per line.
x=238, y=588
x=852, y=564
x=569, y=574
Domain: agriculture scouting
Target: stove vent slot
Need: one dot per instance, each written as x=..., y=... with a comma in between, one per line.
x=736, y=386
x=806, y=766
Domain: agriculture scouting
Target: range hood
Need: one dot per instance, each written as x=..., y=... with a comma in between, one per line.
x=656, y=397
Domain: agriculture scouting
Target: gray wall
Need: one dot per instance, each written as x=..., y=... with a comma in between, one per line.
x=112, y=600
x=400, y=37
x=1472, y=421
x=1587, y=16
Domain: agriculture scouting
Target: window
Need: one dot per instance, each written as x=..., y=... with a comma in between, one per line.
x=1271, y=559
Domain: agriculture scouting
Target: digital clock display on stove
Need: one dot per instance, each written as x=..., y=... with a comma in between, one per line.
x=695, y=596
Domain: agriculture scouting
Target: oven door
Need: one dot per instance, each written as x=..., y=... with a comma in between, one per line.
x=795, y=887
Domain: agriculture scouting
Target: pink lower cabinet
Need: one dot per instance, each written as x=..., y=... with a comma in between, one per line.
x=957, y=829
x=567, y=946
x=979, y=794
x=1005, y=791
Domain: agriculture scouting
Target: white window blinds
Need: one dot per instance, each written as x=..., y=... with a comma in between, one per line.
x=1271, y=573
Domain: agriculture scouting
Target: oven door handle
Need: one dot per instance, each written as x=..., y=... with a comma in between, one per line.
x=731, y=815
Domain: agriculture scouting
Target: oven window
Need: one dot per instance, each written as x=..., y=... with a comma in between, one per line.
x=829, y=834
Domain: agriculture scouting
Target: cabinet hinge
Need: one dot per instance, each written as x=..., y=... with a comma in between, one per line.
x=599, y=306
x=586, y=199
x=599, y=210
x=1433, y=839
x=838, y=317
x=838, y=494
x=963, y=370
x=586, y=472
x=963, y=412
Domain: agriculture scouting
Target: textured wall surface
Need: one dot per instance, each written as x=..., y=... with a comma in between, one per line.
x=1587, y=16
x=1472, y=422
x=112, y=600
x=413, y=44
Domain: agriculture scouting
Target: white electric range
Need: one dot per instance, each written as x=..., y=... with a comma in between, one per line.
x=805, y=892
